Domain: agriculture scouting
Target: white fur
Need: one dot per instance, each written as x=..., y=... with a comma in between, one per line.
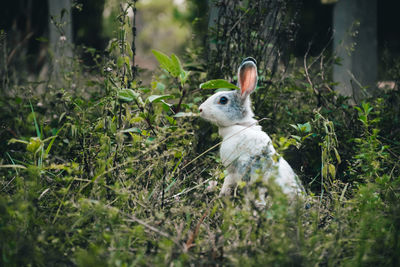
x=240, y=143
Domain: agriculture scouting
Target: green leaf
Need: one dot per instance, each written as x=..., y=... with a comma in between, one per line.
x=16, y=166
x=127, y=95
x=305, y=137
x=325, y=171
x=120, y=62
x=171, y=120
x=303, y=128
x=157, y=98
x=34, y=144
x=162, y=58
x=358, y=109
x=297, y=138
x=166, y=106
x=35, y=121
x=52, y=138
x=183, y=76
x=13, y=140
x=306, y=127
x=172, y=65
x=42, y=39
x=332, y=170
x=366, y=107
x=132, y=130
x=219, y=83
x=185, y=114
x=176, y=66
x=144, y=89
x=127, y=62
x=339, y=160
x=363, y=119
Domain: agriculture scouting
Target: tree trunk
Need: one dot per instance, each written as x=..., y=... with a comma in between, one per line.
x=212, y=20
x=60, y=25
x=355, y=43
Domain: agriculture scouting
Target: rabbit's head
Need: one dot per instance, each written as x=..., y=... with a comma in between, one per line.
x=229, y=108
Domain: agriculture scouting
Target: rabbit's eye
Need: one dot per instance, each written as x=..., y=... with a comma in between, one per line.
x=223, y=100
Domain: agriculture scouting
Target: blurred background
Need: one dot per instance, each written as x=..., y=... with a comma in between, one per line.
x=173, y=26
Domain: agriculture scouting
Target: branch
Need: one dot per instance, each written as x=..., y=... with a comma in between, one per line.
x=189, y=243
x=151, y=228
x=317, y=93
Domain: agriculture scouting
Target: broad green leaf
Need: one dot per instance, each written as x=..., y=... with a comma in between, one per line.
x=131, y=130
x=166, y=106
x=358, y=109
x=157, y=98
x=296, y=137
x=144, y=89
x=366, y=107
x=185, y=114
x=127, y=95
x=176, y=66
x=127, y=62
x=363, y=119
x=183, y=76
x=120, y=62
x=170, y=65
x=163, y=59
x=306, y=127
x=219, y=83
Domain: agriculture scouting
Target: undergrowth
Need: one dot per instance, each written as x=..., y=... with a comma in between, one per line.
x=104, y=170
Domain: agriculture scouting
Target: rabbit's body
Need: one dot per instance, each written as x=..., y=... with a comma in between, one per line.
x=246, y=151
x=248, y=154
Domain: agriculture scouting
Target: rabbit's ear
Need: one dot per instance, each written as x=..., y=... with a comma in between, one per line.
x=247, y=76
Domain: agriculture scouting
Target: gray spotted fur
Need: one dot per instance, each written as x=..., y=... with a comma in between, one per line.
x=234, y=109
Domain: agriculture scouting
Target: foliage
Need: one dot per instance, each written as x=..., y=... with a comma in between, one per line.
x=105, y=170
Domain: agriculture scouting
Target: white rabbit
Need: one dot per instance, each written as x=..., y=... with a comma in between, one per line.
x=246, y=151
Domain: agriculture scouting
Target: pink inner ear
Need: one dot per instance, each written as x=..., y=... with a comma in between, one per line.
x=248, y=78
